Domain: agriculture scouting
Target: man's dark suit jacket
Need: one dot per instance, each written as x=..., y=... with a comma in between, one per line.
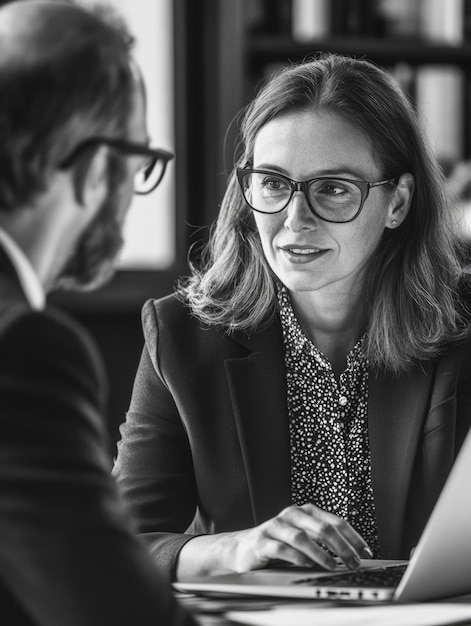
x=205, y=447
x=67, y=554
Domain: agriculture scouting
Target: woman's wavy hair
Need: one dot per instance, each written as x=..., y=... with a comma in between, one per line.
x=416, y=275
x=64, y=77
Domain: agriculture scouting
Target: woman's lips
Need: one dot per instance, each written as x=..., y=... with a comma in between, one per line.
x=302, y=254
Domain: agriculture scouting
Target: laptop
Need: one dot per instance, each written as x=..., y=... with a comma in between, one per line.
x=440, y=566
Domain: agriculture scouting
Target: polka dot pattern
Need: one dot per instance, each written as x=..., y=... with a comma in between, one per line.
x=330, y=455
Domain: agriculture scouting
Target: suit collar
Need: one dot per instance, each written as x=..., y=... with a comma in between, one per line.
x=15, y=262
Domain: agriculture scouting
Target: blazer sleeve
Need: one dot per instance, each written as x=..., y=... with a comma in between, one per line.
x=67, y=553
x=154, y=467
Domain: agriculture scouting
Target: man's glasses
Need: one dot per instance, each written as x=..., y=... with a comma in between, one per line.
x=149, y=174
x=337, y=200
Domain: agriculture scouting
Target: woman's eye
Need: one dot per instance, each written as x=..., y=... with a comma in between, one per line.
x=331, y=189
x=270, y=183
x=274, y=184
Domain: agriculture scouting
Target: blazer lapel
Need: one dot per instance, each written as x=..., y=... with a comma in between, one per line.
x=396, y=409
x=257, y=385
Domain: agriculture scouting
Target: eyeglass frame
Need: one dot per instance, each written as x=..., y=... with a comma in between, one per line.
x=296, y=185
x=129, y=148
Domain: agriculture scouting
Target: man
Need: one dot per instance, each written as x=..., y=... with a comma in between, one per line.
x=73, y=145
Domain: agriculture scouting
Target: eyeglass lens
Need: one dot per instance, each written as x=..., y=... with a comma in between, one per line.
x=149, y=175
x=332, y=199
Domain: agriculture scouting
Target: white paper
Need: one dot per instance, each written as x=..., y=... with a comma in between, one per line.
x=430, y=614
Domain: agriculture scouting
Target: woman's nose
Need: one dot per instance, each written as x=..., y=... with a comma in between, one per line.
x=298, y=214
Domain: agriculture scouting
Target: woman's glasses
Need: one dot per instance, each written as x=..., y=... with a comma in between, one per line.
x=337, y=200
x=148, y=175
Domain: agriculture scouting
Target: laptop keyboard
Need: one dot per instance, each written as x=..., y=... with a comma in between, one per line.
x=375, y=577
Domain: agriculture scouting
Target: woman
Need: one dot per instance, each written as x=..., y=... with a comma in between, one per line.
x=305, y=393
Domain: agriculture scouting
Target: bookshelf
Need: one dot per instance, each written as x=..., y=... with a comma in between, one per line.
x=429, y=51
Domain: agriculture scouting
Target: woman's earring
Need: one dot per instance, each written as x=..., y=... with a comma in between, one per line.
x=394, y=222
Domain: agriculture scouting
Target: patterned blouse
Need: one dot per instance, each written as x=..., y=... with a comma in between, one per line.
x=330, y=454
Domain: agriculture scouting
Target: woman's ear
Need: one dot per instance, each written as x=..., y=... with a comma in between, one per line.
x=90, y=177
x=400, y=201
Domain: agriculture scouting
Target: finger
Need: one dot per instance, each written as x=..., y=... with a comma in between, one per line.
x=328, y=529
x=295, y=538
x=266, y=550
x=331, y=536
x=354, y=539
x=343, y=527
x=287, y=553
x=358, y=542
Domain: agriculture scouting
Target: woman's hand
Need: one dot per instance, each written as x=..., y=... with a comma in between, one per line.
x=295, y=536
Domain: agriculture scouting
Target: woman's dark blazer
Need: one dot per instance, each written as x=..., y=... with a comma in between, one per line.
x=205, y=447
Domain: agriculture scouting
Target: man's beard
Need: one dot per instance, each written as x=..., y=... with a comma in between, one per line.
x=94, y=260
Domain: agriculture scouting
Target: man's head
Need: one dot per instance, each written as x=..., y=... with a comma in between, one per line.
x=67, y=78
x=96, y=249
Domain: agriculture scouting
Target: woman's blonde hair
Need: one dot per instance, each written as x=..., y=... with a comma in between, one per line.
x=416, y=275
